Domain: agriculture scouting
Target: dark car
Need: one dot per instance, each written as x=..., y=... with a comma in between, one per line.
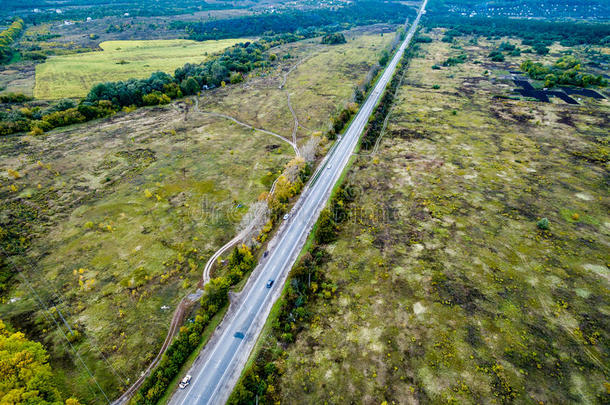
x=266, y=253
x=269, y=283
x=239, y=335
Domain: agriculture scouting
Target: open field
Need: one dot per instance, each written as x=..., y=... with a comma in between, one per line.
x=74, y=75
x=118, y=216
x=319, y=86
x=447, y=289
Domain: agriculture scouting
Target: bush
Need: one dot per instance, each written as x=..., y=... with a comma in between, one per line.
x=543, y=224
x=236, y=77
x=14, y=98
x=385, y=57
x=63, y=118
x=496, y=56
x=333, y=39
x=155, y=98
x=455, y=60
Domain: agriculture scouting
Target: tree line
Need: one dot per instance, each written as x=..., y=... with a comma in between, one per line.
x=214, y=299
x=375, y=124
x=81, y=9
x=360, y=13
x=7, y=37
x=105, y=99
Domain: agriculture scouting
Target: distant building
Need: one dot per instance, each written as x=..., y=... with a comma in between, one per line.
x=89, y=19
x=58, y=11
x=126, y=15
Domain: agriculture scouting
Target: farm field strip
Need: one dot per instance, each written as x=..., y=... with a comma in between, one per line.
x=74, y=75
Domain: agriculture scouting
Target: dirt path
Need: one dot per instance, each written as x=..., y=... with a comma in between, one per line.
x=235, y=120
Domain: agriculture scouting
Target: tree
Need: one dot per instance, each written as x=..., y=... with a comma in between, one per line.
x=327, y=229
x=26, y=374
x=385, y=56
x=190, y=86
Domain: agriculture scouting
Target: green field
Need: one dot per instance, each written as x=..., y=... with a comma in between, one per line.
x=73, y=75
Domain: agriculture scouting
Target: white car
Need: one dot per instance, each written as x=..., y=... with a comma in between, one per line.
x=185, y=381
x=286, y=216
x=329, y=167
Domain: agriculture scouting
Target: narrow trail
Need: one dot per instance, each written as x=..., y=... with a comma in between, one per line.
x=235, y=120
x=295, y=128
x=296, y=65
x=296, y=125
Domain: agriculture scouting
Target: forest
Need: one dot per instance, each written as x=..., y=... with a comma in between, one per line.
x=530, y=31
x=362, y=13
x=81, y=9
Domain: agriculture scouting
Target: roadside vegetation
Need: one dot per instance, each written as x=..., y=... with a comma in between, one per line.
x=472, y=265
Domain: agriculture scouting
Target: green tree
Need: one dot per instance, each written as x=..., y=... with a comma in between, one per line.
x=327, y=229
x=190, y=86
x=26, y=377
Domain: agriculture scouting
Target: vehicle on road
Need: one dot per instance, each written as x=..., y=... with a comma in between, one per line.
x=329, y=167
x=286, y=216
x=266, y=253
x=269, y=283
x=239, y=335
x=185, y=381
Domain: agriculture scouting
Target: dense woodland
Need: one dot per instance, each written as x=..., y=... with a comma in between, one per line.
x=532, y=32
x=360, y=13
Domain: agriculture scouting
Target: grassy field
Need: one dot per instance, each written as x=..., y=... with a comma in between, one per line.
x=119, y=216
x=321, y=84
x=74, y=75
x=448, y=290
x=136, y=205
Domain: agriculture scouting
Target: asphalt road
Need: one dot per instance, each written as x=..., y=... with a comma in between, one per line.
x=220, y=363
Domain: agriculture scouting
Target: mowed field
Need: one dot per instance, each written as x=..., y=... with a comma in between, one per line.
x=74, y=75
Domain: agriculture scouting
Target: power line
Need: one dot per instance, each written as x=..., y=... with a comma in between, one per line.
x=46, y=309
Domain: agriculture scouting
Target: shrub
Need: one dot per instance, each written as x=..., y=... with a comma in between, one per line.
x=236, y=77
x=543, y=224
x=63, y=118
x=14, y=98
x=155, y=98
x=496, y=56
x=385, y=57
x=333, y=39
